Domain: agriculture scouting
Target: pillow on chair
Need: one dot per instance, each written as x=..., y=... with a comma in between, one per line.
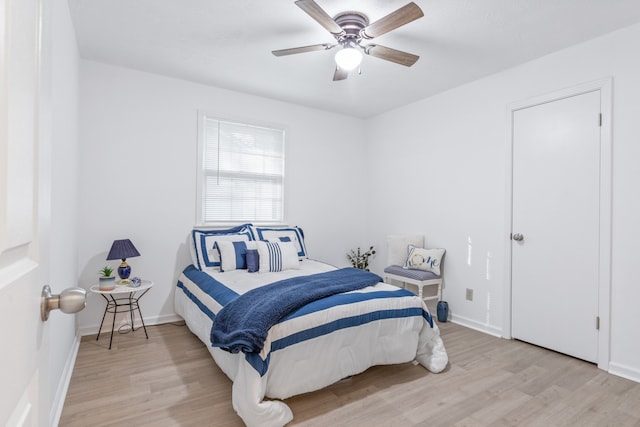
x=424, y=259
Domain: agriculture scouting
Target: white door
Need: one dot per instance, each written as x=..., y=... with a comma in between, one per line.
x=556, y=206
x=23, y=213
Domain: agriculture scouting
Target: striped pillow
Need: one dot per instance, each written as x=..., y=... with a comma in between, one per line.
x=277, y=256
x=233, y=255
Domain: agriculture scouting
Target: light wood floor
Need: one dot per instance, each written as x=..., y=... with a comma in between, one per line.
x=171, y=380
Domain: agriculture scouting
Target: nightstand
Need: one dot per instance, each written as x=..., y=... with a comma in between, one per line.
x=123, y=299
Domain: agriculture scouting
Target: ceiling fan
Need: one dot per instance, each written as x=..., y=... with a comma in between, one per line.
x=350, y=29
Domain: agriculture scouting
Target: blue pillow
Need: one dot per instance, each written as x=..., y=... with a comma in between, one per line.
x=253, y=260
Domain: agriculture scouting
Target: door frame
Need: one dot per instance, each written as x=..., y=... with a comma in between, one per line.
x=605, y=86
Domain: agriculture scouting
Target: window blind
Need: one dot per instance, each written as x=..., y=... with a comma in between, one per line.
x=242, y=172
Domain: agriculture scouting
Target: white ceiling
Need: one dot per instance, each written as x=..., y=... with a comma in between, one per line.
x=228, y=44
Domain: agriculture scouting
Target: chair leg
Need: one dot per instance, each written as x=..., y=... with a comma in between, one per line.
x=420, y=291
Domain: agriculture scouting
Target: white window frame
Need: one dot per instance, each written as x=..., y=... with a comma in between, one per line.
x=202, y=172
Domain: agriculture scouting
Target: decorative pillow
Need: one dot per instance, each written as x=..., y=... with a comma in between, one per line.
x=253, y=260
x=273, y=234
x=205, y=257
x=424, y=259
x=233, y=254
x=277, y=256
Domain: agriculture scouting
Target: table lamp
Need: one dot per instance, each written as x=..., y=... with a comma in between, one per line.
x=123, y=249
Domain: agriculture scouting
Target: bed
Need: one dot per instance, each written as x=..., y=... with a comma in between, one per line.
x=317, y=344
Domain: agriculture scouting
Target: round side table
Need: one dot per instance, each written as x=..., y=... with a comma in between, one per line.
x=123, y=299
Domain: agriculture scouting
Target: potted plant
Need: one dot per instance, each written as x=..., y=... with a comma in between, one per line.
x=107, y=281
x=360, y=259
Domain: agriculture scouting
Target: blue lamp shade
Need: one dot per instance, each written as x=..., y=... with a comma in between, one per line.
x=123, y=249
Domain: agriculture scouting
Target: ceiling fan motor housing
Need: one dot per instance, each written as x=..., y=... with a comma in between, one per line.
x=351, y=23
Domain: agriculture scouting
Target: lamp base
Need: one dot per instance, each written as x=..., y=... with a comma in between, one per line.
x=124, y=271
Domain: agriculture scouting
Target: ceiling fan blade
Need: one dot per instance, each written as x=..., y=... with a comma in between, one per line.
x=302, y=49
x=400, y=17
x=340, y=74
x=388, y=54
x=320, y=16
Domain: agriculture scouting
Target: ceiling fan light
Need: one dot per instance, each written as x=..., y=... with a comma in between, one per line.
x=348, y=58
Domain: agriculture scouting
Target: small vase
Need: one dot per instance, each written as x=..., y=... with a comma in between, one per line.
x=107, y=283
x=443, y=311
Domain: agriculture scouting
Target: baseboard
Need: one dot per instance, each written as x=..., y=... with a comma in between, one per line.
x=148, y=321
x=472, y=324
x=624, y=371
x=63, y=386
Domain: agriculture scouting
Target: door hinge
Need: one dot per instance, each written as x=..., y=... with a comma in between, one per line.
x=598, y=322
x=600, y=119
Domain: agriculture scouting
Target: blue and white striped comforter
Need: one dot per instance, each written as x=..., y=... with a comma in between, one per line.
x=319, y=343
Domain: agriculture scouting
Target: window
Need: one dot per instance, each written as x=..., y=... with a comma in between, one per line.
x=241, y=174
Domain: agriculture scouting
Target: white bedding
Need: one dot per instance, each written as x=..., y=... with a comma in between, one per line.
x=314, y=363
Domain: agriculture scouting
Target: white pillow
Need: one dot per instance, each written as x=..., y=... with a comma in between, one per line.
x=233, y=254
x=273, y=234
x=277, y=256
x=424, y=259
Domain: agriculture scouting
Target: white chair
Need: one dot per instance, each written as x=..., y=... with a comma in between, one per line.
x=397, y=252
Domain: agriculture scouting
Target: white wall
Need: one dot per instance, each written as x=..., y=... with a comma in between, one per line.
x=138, y=149
x=61, y=328
x=439, y=167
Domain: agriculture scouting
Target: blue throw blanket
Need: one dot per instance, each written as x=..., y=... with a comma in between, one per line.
x=243, y=324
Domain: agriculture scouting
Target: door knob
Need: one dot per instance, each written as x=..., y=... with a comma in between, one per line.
x=518, y=237
x=71, y=300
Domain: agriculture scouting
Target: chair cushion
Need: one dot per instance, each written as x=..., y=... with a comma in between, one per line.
x=411, y=274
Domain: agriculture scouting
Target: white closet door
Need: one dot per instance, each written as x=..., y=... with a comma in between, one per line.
x=556, y=182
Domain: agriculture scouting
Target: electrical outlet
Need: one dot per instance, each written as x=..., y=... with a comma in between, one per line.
x=469, y=294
